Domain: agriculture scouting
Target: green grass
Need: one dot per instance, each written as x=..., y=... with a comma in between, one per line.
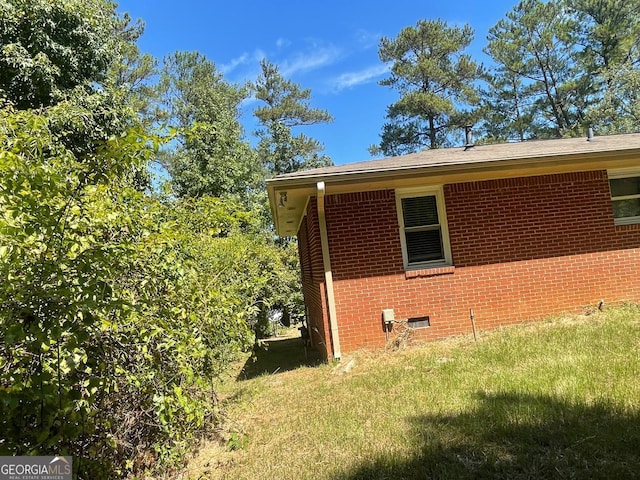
x=558, y=399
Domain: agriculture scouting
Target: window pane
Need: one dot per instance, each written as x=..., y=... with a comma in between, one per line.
x=626, y=208
x=420, y=211
x=625, y=186
x=424, y=245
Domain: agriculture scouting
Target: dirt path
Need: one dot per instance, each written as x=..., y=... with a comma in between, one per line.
x=258, y=398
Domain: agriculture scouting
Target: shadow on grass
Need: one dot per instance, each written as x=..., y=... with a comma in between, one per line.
x=278, y=355
x=511, y=436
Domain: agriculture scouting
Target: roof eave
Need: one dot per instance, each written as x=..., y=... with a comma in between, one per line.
x=364, y=176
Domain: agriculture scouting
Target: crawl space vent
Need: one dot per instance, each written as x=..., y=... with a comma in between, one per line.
x=418, y=322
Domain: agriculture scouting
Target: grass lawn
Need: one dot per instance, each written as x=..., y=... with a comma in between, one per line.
x=557, y=399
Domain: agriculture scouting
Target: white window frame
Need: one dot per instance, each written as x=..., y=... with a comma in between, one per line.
x=442, y=218
x=624, y=173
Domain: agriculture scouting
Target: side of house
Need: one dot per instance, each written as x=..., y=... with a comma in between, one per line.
x=511, y=250
x=439, y=237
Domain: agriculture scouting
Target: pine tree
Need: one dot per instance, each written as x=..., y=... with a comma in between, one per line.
x=287, y=106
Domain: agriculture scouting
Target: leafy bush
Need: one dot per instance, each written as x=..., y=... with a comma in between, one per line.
x=117, y=310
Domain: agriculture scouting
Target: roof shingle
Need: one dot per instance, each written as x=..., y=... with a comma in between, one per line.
x=478, y=154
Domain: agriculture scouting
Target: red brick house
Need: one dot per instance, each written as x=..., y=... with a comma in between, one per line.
x=507, y=232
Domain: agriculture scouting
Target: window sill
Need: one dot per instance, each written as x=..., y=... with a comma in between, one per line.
x=429, y=272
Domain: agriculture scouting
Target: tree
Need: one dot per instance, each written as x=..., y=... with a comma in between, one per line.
x=533, y=47
x=65, y=233
x=50, y=48
x=209, y=155
x=436, y=82
x=608, y=35
x=287, y=106
x=117, y=309
x=132, y=72
x=506, y=108
x=608, y=32
x=618, y=110
x=66, y=54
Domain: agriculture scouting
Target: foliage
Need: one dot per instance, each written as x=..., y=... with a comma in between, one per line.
x=533, y=42
x=619, y=109
x=285, y=101
x=118, y=310
x=609, y=35
x=233, y=248
x=209, y=156
x=133, y=72
x=287, y=106
x=562, y=66
x=506, y=107
x=436, y=83
x=558, y=67
x=212, y=160
x=39, y=56
x=607, y=31
x=62, y=251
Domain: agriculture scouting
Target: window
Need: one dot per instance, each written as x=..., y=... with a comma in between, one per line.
x=625, y=197
x=423, y=227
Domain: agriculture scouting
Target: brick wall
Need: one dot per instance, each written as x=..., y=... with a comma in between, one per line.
x=532, y=217
x=313, y=284
x=522, y=248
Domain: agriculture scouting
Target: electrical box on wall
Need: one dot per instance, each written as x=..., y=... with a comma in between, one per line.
x=388, y=316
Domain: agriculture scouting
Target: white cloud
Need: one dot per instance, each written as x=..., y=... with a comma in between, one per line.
x=351, y=79
x=317, y=56
x=245, y=66
x=242, y=60
x=234, y=63
x=282, y=43
x=304, y=62
x=366, y=39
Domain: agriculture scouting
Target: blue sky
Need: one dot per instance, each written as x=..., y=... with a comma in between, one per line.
x=330, y=47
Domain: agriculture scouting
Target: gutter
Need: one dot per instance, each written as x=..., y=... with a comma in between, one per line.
x=328, y=276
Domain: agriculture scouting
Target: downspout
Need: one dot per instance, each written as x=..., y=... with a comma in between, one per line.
x=328, y=276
